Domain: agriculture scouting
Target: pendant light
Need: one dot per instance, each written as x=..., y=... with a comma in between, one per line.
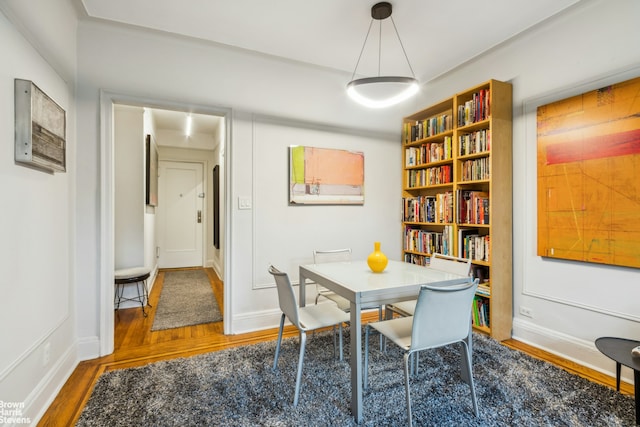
x=381, y=91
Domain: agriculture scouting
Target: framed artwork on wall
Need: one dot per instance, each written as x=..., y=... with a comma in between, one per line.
x=216, y=206
x=588, y=186
x=325, y=176
x=40, y=129
x=151, y=172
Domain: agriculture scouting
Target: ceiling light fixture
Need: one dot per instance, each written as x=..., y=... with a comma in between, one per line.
x=382, y=91
x=189, y=121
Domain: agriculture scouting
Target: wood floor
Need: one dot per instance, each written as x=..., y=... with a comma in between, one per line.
x=136, y=345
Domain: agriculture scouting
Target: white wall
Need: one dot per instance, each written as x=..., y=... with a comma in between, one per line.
x=129, y=186
x=593, y=44
x=273, y=232
x=37, y=225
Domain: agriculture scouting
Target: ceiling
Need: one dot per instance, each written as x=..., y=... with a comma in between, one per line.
x=437, y=36
x=175, y=122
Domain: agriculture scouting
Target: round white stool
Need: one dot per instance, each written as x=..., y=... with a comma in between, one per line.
x=137, y=275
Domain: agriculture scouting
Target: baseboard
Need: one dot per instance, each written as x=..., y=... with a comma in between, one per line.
x=88, y=348
x=41, y=397
x=577, y=350
x=256, y=321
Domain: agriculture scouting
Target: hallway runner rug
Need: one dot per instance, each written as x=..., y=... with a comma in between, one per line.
x=238, y=387
x=186, y=299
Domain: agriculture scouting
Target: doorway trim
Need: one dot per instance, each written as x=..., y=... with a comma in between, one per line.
x=107, y=216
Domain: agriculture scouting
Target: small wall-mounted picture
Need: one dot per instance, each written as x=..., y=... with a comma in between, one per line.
x=151, y=172
x=325, y=176
x=40, y=129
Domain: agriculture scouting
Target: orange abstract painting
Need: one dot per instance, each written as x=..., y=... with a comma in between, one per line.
x=589, y=176
x=325, y=176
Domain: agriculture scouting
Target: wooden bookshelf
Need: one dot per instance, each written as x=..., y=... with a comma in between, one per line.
x=457, y=193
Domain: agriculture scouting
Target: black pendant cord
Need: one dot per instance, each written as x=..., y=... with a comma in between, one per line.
x=362, y=50
x=402, y=46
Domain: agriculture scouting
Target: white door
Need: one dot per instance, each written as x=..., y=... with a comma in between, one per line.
x=179, y=214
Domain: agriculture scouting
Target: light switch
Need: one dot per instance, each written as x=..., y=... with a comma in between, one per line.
x=244, y=203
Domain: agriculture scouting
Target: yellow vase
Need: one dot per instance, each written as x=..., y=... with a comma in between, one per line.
x=377, y=260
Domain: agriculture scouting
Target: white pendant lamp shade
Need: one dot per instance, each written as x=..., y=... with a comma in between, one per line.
x=381, y=91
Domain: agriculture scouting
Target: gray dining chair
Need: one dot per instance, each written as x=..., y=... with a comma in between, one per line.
x=441, y=318
x=332, y=255
x=305, y=319
x=337, y=255
x=448, y=263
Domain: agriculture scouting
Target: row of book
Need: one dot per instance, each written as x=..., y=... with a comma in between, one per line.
x=474, y=142
x=427, y=127
x=432, y=209
x=475, y=169
x=476, y=109
x=472, y=207
x=473, y=245
x=417, y=259
x=480, y=312
x=428, y=242
x=430, y=176
x=427, y=153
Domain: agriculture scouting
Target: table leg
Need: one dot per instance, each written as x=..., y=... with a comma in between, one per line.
x=356, y=362
x=302, y=290
x=636, y=390
x=618, y=366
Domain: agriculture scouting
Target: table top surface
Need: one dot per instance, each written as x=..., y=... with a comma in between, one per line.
x=358, y=277
x=619, y=349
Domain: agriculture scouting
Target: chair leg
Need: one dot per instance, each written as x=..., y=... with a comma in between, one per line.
x=146, y=293
x=407, y=356
x=464, y=372
x=141, y=295
x=467, y=359
x=303, y=343
x=275, y=359
x=341, y=348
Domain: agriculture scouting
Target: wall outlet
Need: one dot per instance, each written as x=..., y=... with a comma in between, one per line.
x=526, y=311
x=244, y=203
x=46, y=354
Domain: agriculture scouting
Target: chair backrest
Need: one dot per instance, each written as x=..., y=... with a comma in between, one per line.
x=442, y=315
x=333, y=255
x=286, y=296
x=450, y=264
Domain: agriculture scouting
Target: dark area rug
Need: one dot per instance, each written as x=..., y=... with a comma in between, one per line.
x=237, y=387
x=186, y=299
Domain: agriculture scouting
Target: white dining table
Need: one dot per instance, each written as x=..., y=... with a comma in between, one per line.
x=354, y=281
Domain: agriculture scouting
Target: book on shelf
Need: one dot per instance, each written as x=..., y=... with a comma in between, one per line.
x=428, y=242
x=473, y=245
x=480, y=311
x=476, y=109
x=476, y=169
x=484, y=290
x=424, y=128
x=429, y=152
x=474, y=142
x=473, y=207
